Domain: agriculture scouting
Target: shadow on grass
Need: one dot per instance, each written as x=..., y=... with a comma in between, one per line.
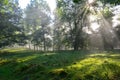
x=66, y=65
x=22, y=64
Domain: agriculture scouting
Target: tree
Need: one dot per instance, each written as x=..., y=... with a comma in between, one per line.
x=106, y=29
x=11, y=30
x=75, y=15
x=37, y=18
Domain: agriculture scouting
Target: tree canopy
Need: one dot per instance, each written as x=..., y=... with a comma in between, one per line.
x=10, y=23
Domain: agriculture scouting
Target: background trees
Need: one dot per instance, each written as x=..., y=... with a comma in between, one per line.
x=11, y=30
x=76, y=25
x=76, y=15
x=37, y=19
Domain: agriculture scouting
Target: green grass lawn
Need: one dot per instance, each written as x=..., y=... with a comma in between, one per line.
x=22, y=64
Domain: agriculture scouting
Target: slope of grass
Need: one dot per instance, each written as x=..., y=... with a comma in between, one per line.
x=22, y=64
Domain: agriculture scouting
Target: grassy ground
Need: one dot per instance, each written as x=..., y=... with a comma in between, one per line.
x=22, y=64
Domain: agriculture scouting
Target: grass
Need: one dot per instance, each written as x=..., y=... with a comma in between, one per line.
x=23, y=64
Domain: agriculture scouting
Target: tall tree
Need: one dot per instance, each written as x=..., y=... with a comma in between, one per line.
x=10, y=16
x=75, y=16
x=37, y=18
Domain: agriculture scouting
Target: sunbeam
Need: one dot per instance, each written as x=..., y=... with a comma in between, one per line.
x=91, y=2
x=103, y=35
x=108, y=32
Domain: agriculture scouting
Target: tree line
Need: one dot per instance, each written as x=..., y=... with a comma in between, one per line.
x=71, y=28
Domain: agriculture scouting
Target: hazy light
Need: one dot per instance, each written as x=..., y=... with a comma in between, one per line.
x=88, y=31
x=91, y=1
x=93, y=24
x=23, y=3
x=92, y=18
x=51, y=3
x=116, y=21
x=116, y=10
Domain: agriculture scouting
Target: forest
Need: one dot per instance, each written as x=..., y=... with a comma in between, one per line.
x=78, y=40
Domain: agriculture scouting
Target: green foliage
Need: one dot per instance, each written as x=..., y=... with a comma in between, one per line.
x=74, y=18
x=78, y=1
x=107, y=13
x=116, y=2
x=11, y=29
x=37, y=18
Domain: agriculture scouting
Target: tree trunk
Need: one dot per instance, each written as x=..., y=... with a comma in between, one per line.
x=76, y=44
x=34, y=47
x=29, y=45
x=76, y=40
x=44, y=43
